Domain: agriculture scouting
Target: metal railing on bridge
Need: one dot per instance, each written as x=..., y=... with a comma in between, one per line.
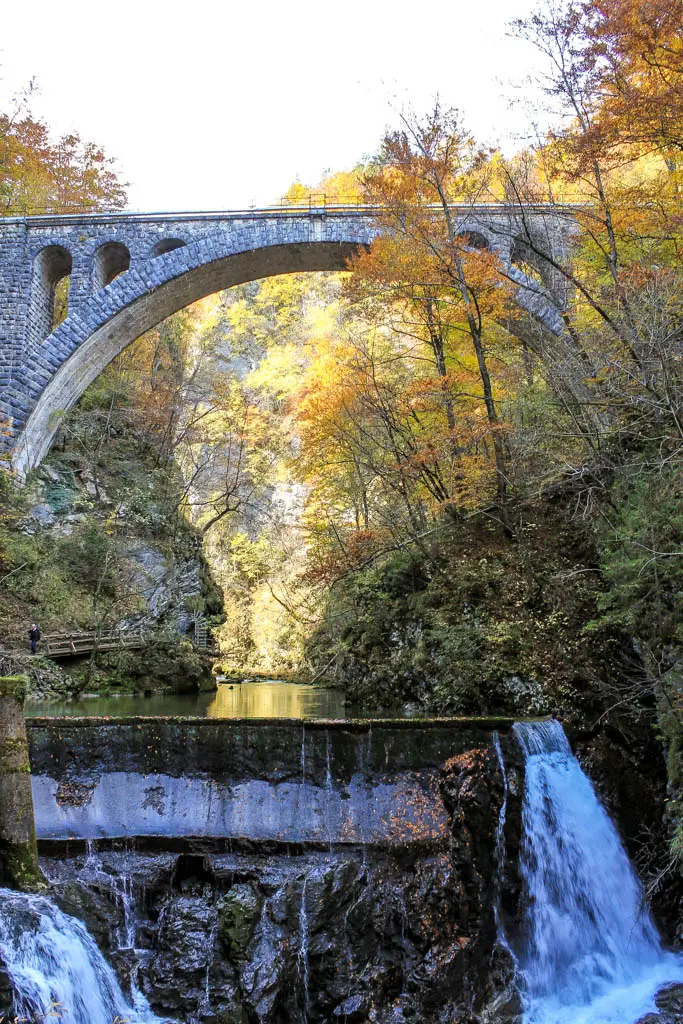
x=313, y=203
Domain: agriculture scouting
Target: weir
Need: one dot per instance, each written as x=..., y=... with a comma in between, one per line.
x=226, y=782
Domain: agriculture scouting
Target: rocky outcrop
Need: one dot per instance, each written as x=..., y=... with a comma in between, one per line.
x=669, y=1003
x=249, y=938
x=483, y=790
x=109, y=559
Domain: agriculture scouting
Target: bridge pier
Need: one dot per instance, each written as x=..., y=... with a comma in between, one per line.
x=19, y=868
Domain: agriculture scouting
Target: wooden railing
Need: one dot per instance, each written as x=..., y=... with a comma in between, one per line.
x=66, y=645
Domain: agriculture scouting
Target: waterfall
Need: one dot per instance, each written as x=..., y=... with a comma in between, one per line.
x=302, y=956
x=588, y=951
x=53, y=963
x=500, y=851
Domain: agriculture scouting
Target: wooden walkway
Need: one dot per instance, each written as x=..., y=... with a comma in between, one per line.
x=69, y=645
x=66, y=645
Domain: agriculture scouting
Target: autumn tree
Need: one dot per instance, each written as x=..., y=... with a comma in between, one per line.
x=638, y=52
x=619, y=281
x=448, y=280
x=43, y=174
x=613, y=70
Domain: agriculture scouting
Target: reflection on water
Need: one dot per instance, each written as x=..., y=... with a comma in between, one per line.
x=275, y=700
x=270, y=699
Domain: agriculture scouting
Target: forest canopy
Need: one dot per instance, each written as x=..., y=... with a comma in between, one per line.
x=317, y=427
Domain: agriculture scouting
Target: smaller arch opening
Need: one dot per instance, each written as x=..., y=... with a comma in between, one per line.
x=50, y=283
x=530, y=263
x=475, y=240
x=111, y=259
x=167, y=245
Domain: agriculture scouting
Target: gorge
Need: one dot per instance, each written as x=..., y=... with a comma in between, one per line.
x=341, y=537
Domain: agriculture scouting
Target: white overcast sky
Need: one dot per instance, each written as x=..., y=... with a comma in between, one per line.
x=222, y=105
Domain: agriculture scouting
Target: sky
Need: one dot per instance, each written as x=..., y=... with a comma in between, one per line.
x=218, y=106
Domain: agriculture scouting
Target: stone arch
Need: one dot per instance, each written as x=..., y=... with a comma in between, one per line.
x=59, y=369
x=165, y=245
x=51, y=265
x=137, y=301
x=111, y=259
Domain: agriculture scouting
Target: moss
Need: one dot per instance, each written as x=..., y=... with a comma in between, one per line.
x=478, y=624
x=235, y=1014
x=14, y=686
x=14, y=755
x=19, y=868
x=238, y=914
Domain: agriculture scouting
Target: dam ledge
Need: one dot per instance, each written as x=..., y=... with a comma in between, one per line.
x=486, y=724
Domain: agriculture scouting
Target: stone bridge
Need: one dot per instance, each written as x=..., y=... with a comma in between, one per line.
x=127, y=272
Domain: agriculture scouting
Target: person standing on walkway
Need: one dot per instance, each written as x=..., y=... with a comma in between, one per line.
x=34, y=637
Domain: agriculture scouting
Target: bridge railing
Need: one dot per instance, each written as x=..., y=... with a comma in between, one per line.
x=316, y=203
x=66, y=645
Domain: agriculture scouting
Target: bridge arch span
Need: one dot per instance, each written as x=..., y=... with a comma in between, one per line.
x=127, y=272
x=74, y=355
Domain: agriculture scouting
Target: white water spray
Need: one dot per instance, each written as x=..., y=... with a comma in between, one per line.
x=500, y=851
x=589, y=951
x=302, y=956
x=53, y=962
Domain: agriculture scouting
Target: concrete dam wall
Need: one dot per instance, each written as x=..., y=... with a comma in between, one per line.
x=322, y=783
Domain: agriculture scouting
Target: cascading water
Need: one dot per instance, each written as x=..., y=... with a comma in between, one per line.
x=500, y=851
x=52, y=961
x=302, y=956
x=589, y=952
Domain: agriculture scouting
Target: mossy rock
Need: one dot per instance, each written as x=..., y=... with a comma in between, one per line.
x=14, y=756
x=238, y=914
x=14, y=686
x=235, y=1014
x=19, y=867
x=167, y=665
